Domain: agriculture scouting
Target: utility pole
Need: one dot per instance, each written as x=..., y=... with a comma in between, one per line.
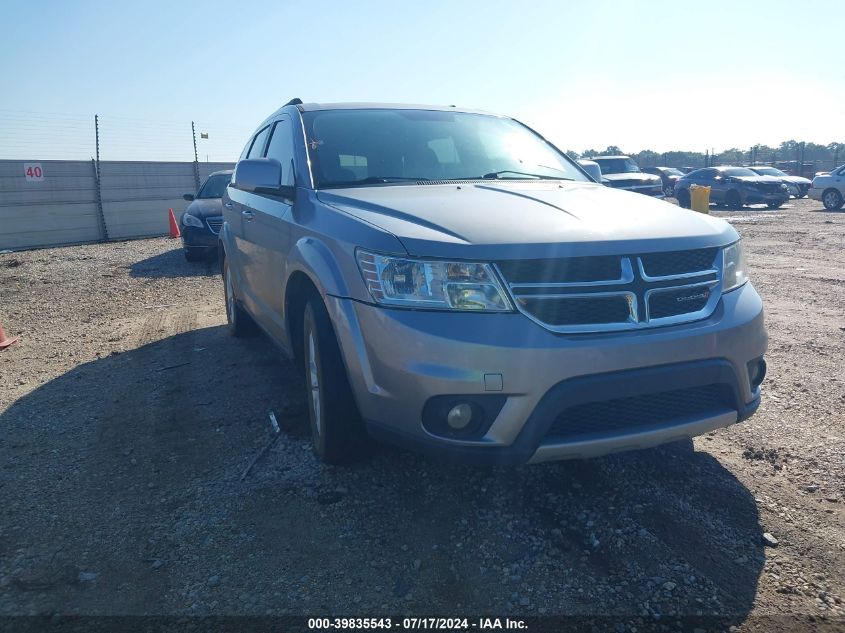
x=196, y=158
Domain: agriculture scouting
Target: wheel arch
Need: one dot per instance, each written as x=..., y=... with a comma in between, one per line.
x=312, y=272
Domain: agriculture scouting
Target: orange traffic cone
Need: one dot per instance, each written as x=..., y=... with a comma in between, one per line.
x=5, y=342
x=174, y=227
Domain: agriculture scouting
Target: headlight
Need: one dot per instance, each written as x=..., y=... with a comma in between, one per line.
x=734, y=267
x=784, y=186
x=191, y=220
x=432, y=284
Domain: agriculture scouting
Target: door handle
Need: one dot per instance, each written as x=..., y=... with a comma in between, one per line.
x=228, y=205
x=247, y=215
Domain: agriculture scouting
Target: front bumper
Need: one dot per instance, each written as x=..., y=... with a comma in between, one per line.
x=758, y=197
x=197, y=238
x=398, y=359
x=815, y=194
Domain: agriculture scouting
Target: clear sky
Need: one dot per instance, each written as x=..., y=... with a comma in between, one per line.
x=637, y=74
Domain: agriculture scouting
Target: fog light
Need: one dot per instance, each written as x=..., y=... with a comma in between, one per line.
x=459, y=416
x=756, y=372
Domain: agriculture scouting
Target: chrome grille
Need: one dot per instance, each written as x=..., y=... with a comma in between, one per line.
x=612, y=293
x=214, y=224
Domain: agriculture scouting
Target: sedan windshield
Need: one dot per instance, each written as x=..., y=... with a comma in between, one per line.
x=738, y=172
x=769, y=171
x=671, y=171
x=214, y=186
x=617, y=165
x=377, y=146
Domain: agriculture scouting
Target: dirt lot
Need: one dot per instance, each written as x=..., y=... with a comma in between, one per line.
x=127, y=416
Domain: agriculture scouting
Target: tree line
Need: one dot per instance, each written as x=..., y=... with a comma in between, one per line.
x=791, y=151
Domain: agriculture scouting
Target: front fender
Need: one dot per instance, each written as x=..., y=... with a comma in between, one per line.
x=226, y=250
x=313, y=258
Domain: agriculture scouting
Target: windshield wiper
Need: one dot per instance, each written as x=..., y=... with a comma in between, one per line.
x=497, y=174
x=371, y=180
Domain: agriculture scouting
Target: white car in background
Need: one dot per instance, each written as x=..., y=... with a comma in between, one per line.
x=829, y=188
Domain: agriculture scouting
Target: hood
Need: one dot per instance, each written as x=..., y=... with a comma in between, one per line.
x=635, y=175
x=206, y=207
x=757, y=179
x=796, y=180
x=527, y=219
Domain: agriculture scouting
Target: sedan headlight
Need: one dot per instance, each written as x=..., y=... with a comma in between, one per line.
x=734, y=267
x=191, y=220
x=433, y=284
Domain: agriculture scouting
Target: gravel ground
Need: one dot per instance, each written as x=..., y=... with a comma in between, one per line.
x=128, y=415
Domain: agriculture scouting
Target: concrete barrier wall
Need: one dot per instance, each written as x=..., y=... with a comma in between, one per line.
x=61, y=208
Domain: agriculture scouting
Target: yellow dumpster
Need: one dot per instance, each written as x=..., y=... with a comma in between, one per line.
x=699, y=198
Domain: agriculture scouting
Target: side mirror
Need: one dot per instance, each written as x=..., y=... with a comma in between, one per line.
x=188, y=196
x=261, y=175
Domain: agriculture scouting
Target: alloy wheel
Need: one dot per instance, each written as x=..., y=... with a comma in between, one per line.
x=314, y=381
x=831, y=200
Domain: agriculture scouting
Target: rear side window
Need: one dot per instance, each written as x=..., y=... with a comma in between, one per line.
x=257, y=149
x=281, y=148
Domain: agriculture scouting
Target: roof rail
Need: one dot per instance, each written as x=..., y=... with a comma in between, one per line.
x=294, y=101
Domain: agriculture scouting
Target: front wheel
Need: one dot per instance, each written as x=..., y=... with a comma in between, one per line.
x=733, y=199
x=832, y=200
x=774, y=205
x=668, y=190
x=684, y=198
x=336, y=429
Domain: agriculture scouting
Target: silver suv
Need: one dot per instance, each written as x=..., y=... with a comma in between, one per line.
x=449, y=280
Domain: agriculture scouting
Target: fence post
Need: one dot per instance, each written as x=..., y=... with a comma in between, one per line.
x=104, y=232
x=801, y=161
x=196, y=159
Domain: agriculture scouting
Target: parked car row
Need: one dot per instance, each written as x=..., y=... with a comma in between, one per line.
x=730, y=185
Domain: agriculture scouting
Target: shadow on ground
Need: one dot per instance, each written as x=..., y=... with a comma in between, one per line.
x=173, y=264
x=123, y=494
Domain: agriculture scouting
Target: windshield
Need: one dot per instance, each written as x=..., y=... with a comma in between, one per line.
x=372, y=146
x=617, y=165
x=769, y=171
x=673, y=172
x=214, y=186
x=738, y=172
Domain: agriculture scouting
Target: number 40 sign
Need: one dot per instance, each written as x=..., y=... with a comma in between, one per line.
x=33, y=172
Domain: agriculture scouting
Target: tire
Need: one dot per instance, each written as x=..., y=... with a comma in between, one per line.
x=668, y=190
x=238, y=321
x=337, y=431
x=774, y=205
x=832, y=200
x=684, y=198
x=733, y=199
